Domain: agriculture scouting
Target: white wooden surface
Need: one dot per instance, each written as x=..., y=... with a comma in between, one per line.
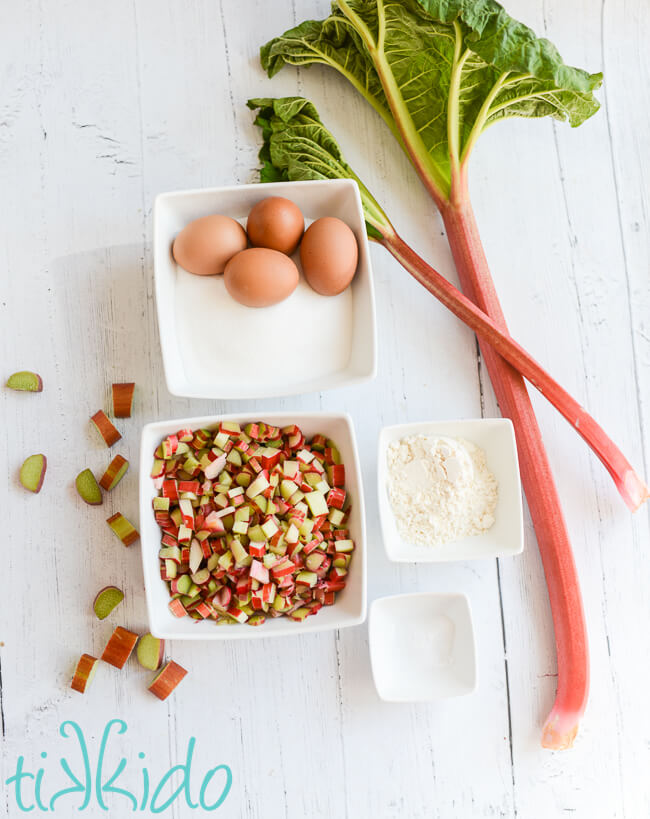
x=103, y=105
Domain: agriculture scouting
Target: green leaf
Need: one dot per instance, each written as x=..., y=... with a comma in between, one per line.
x=297, y=146
x=440, y=72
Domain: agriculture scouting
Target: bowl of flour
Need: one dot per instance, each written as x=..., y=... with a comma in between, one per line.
x=450, y=490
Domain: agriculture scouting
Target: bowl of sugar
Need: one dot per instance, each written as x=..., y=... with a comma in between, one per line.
x=422, y=647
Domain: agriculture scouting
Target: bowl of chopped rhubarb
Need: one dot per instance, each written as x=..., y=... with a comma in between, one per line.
x=252, y=525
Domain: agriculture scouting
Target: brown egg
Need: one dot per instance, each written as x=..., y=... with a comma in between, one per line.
x=329, y=255
x=276, y=223
x=259, y=277
x=205, y=245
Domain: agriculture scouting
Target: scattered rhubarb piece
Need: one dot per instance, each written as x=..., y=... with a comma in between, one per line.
x=123, y=399
x=119, y=647
x=84, y=673
x=167, y=680
x=32, y=472
x=150, y=652
x=114, y=473
x=123, y=528
x=107, y=599
x=88, y=488
x=105, y=428
x=25, y=382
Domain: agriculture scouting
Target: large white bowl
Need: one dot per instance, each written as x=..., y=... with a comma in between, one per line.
x=213, y=347
x=350, y=606
x=505, y=537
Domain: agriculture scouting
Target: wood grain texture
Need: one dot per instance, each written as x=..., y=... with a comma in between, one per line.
x=105, y=105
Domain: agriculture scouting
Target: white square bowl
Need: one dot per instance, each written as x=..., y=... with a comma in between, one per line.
x=422, y=647
x=350, y=606
x=213, y=347
x=505, y=537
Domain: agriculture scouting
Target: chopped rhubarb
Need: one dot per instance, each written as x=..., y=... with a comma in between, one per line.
x=123, y=399
x=123, y=528
x=105, y=428
x=119, y=647
x=176, y=607
x=150, y=652
x=32, y=472
x=247, y=517
x=106, y=600
x=167, y=680
x=25, y=381
x=115, y=471
x=88, y=488
x=84, y=673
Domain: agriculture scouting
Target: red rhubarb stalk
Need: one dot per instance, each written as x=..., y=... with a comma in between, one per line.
x=493, y=332
x=542, y=495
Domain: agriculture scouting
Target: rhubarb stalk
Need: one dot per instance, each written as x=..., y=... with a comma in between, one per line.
x=541, y=492
x=439, y=74
x=493, y=332
x=537, y=479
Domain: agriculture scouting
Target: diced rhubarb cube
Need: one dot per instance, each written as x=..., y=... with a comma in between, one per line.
x=252, y=430
x=327, y=598
x=344, y=545
x=187, y=513
x=169, y=446
x=259, y=572
x=204, y=609
x=184, y=534
x=229, y=428
x=306, y=578
x=105, y=428
x=193, y=487
x=257, y=549
x=336, y=497
x=336, y=474
x=317, y=503
x=237, y=614
x=170, y=490
x=158, y=468
x=268, y=593
x=225, y=511
x=257, y=602
x=258, y=486
x=333, y=585
x=283, y=568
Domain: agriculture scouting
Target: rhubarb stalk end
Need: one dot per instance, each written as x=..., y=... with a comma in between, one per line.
x=560, y=731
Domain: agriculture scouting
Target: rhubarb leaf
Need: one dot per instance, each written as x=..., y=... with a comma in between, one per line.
x=297, y=146
x=440, y=72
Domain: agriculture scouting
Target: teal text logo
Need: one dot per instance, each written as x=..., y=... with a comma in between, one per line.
x=93, y=784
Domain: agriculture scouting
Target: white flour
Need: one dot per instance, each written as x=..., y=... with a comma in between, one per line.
x=440, y=489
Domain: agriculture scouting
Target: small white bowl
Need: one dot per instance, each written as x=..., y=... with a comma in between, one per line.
x=350, y=606
x=505, y=537
x=422, y=647
x=213, y=347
